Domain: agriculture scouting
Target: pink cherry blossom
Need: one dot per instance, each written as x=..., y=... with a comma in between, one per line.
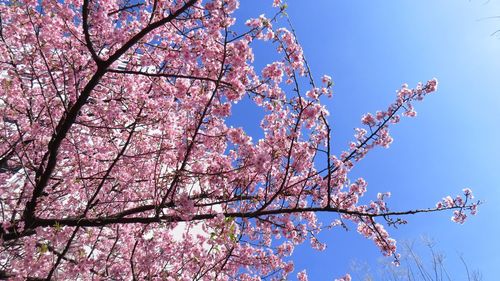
x=119, y=160
x=302, y=276
x=368, y=119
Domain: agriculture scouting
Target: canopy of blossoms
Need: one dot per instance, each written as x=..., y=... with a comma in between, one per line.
x=117, y=160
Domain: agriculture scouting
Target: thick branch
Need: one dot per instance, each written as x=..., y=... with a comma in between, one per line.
x=43, y=174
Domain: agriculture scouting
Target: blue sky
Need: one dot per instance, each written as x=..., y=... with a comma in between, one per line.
x=370, y=48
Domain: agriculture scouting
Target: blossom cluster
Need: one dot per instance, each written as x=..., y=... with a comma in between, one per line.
x=378, y=124
x=460, y=204
x=121, y=159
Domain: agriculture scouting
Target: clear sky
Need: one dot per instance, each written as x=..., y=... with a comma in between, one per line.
x=370, y=48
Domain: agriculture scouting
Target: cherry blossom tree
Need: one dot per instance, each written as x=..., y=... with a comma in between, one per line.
x=117, y=160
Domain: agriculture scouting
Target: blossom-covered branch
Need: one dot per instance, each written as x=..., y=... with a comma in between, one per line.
x=117, y=160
